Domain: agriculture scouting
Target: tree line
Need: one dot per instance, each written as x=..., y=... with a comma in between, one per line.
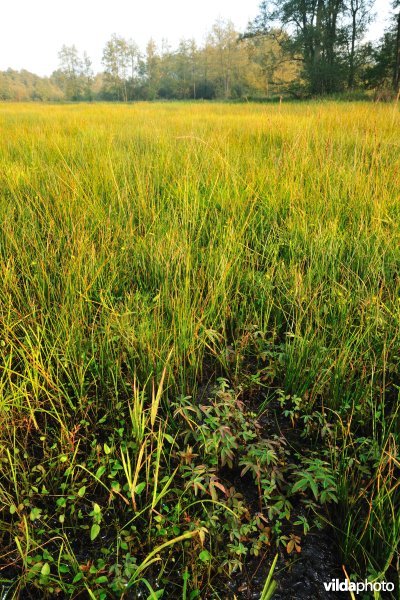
x=296, y=47
x=327, y=38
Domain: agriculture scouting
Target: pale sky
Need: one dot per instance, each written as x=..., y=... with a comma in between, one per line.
x=33, y=31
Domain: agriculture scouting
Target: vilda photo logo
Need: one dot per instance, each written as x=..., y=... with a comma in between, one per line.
x=335, y=585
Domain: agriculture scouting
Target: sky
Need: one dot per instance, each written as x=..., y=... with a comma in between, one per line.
x=33, y=31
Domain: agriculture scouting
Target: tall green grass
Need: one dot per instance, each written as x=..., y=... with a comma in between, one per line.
x=151, y=238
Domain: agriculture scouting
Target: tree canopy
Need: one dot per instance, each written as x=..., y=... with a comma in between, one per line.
x=297, y=47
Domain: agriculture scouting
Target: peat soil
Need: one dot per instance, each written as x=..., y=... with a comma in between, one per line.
x=300, y=579
x=317, y=563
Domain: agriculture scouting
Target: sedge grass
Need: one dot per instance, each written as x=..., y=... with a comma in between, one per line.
x=139, y=243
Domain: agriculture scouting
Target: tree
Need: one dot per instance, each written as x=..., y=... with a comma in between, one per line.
x=135, y=67
x=88, y=76
x=152, y=70
x=193, y=57
x=223, y=48
x=116, y=61
x=168, y=78
x=183, y=69
x=396, y=69
x=313, y=35
x=278, y=70
x=75, y=74
x=23, y=86
x=226, y=64
x=384, y=72
x=70, y=72
x=359, y=12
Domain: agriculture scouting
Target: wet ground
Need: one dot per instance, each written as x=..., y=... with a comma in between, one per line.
x=317, y=563
x=299, y=578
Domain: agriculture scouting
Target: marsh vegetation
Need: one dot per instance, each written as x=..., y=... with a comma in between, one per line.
x=199, y=344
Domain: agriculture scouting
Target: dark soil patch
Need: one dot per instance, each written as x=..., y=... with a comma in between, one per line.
x=304, y=578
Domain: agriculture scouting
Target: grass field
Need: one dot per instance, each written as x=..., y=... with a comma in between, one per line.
x=181, y=284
